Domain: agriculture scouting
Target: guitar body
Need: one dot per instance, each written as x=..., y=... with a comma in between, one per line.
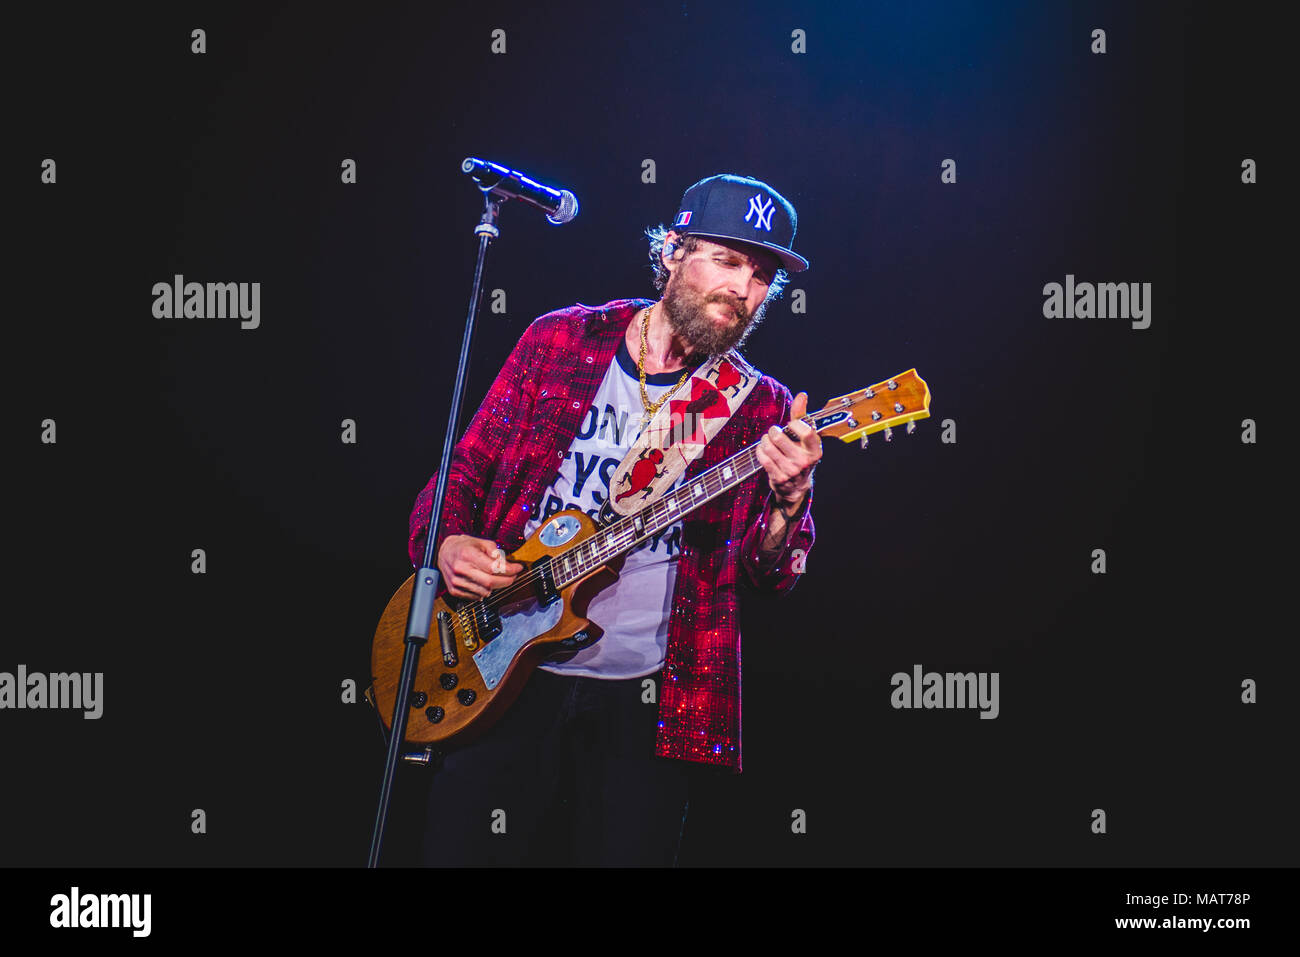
x=495, y=656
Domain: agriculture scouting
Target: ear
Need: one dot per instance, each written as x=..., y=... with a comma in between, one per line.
x=672, y=254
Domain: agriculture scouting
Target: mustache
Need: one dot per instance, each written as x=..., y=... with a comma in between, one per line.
x=734, y=304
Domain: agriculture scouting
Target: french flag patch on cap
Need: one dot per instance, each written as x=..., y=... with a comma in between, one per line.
x=683, y=218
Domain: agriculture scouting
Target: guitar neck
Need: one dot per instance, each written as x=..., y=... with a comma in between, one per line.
x=898, y=401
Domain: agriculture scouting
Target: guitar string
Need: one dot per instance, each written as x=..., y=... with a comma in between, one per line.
x=469, y=613
x=620, y=543
x=624, y=535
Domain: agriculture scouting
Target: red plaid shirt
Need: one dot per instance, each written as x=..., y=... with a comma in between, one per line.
x=511, y=453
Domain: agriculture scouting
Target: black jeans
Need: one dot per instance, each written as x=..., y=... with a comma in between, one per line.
x=568, y=776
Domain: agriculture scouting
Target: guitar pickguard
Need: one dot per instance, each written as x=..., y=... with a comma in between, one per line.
x=517, y=629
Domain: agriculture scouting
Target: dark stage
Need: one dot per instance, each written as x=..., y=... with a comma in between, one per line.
x=1093, y=512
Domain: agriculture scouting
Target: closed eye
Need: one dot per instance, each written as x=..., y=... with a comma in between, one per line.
x=761, y=275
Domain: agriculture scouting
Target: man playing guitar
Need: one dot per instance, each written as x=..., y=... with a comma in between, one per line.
x=608, y=733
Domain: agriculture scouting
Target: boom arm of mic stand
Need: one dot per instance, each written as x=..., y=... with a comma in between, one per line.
x=420, y=614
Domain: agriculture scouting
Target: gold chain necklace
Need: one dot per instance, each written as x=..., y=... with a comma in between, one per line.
x=652, y=407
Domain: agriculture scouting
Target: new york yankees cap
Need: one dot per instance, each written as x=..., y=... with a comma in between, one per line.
x=740, y=207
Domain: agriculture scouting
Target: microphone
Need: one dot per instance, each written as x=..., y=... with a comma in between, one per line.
x=560, y=206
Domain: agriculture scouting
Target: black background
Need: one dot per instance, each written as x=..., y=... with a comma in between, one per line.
x=222, y=691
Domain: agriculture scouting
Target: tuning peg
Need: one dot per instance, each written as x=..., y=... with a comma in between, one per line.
x=911, y=427
x=889, y=433
x=864, y=441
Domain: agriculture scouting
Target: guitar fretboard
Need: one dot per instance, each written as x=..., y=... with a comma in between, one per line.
x=613, y=540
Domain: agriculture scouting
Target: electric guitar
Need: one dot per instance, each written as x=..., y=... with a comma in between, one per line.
x=488, y=647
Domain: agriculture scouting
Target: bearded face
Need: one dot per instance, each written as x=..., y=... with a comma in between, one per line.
x=689, y=313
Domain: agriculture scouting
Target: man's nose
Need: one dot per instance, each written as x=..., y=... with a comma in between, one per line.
x=742, y=282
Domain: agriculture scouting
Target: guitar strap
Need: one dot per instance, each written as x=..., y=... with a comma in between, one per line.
x=677, y=434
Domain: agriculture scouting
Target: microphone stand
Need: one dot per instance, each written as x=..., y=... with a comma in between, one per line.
x=425, y=590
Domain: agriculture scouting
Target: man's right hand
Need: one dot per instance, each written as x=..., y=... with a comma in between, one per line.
x=474, y=567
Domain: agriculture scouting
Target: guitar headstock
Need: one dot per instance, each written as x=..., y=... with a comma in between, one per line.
x=878, y=408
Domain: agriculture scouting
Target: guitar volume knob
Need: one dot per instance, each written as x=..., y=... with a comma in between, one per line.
x=418, y=699
x=447, y=680
x=466, y=696
x=434, y=714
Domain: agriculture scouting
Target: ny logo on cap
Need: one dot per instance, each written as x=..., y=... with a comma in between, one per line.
x=762, y=207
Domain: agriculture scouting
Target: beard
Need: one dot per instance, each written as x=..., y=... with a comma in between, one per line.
x=687, y=312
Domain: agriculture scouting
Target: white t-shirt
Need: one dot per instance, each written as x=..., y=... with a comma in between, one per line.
x=632, y=612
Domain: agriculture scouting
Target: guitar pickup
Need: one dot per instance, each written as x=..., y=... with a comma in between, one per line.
x=544, y=582
x=487, y=623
